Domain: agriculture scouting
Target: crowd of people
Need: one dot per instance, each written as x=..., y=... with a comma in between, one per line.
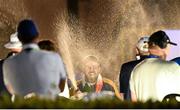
x=35, y=68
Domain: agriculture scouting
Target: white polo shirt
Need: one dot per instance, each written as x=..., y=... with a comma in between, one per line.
x=154, y=79
x=35, y=71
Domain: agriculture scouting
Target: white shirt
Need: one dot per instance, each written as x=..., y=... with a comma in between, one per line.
x=154, y=79
x=35, y=71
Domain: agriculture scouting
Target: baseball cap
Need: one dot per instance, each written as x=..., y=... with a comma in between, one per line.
x=13, y=42
x=159, y=38
x=142, y=44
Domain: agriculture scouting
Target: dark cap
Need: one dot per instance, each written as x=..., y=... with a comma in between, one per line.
x=27, y=30
x=159, y=38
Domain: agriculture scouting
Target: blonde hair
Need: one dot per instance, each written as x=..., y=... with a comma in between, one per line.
x=89, y=58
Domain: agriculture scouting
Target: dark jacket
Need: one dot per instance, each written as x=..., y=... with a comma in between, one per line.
x=3, y=88
x=125, y=75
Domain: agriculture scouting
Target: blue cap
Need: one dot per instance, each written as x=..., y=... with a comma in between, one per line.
x=27, y=28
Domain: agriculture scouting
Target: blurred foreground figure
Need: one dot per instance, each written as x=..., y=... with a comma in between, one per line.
x=49, y=45
x=15, y=46
x=93, y=82
x=126, y=68
x=33, y=70
x=154, y=78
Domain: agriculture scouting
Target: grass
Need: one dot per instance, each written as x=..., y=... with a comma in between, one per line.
x=60, y=102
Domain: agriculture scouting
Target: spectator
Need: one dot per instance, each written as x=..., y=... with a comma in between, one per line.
x=47, y=45
x=126, y=68
x=33, y=70
x=154, y=78
x=15, y=46
x=142, y=48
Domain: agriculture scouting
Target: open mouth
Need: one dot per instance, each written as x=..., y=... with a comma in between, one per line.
x=92, y=74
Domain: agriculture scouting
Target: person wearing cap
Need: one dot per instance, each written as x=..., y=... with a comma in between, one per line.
x=142, y=48
x=154, y=77
x=15, y=46
x=33, y=70
x=126, y=68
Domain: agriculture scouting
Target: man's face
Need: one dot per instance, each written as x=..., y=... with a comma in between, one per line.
x=16, y=50
x=92, y=70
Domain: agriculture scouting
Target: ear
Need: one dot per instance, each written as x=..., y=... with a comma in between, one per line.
x=137, y=51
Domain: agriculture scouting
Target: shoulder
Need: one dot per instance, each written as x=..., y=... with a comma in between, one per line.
x=7, y=62
x=177, y=58
x=138, y=68
x=113, y=85
x=136, y=64
x=108, y=81
x=168, y=63
x=1, y=61
x=127, y=68
x=173, y=65
x=48, y=54
x=130, y=63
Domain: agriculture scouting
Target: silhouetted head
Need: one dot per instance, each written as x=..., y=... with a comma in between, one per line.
x=47, y=45
x=159, y=44
x=27, y=31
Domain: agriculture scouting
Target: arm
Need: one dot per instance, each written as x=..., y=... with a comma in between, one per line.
x=123, y=82
x=62, y=84
x=10, y=89
x=132, y=89
x=133, y=97
x=63, y=75
x=5, y=78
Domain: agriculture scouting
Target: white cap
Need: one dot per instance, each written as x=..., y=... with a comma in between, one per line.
x=142, y=44
x=14, y=42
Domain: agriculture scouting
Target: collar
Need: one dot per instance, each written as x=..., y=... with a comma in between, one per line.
x=152, y=56
x=84, y=82
x=142, y=57
x=99, y=80
x=98, y=85
x=31, y=45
